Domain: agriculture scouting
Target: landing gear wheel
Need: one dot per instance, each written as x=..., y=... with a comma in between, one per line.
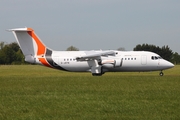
x=96, y=74
x=161, y=73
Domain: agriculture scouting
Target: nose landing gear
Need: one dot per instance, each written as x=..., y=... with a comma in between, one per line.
x=161, y=73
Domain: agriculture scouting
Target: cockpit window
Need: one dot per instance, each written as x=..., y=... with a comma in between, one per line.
x=156, y=57
x=159, y=57
x=152, y=57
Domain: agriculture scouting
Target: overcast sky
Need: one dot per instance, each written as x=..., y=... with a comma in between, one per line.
x=94, y=24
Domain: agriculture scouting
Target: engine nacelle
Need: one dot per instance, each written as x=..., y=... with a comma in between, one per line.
x=111, y=63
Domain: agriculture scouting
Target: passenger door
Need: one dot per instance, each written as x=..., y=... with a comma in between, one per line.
x=143, y=60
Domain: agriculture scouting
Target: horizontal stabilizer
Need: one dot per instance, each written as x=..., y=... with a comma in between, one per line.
x=21, y=29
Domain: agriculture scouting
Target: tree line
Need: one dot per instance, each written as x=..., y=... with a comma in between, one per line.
x=12, y=54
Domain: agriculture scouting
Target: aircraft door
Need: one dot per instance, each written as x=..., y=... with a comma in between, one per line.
x=158, y=61
x=143, y=60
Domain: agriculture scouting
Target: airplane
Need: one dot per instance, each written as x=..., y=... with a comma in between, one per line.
x=97, y=62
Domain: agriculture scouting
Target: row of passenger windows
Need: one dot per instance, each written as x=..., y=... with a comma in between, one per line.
x=152, y=57
x=129, y=58
x=70, y=59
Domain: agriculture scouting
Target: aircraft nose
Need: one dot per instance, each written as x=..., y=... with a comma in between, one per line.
x=166, y=64
x=170, y=65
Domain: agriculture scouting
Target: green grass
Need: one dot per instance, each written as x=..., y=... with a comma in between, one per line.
x=35, y=92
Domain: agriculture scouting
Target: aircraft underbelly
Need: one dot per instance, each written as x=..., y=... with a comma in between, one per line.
x=131, y=69
x=76, y=67
x=135, y=67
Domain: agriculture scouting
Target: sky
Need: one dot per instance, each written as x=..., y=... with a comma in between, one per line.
x=94, y=24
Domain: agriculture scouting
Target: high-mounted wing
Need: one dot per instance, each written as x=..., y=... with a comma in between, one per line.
x=92, y=55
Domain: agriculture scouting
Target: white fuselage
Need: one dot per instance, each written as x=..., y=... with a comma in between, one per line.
x=124, y=61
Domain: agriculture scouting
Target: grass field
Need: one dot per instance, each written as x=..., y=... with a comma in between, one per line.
x=35, y=92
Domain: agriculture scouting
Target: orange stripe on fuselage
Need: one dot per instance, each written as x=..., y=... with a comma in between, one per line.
x=41, y=48
x=44, y=62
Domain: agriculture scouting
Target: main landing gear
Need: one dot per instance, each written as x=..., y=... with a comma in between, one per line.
x=96, y=74
x=161, y=73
